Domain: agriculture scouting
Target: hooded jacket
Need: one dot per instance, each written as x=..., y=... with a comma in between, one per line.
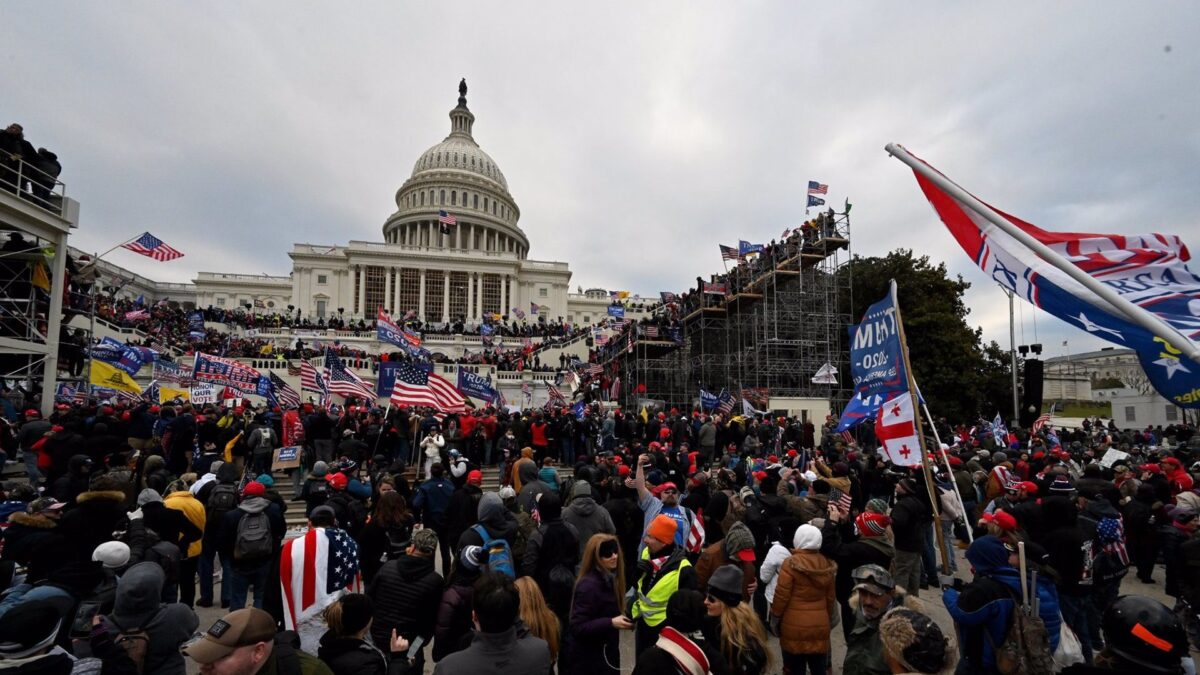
x=987, y=603
x=406, y=592
x=96, y=515
x=168, y=626
x=228, y=527
x=804, y=602
x=351, y=656
x=531, y=486
x=864, y=650
x=497, y=520
x=191, y=508
x=586, y=515
x=26, y=533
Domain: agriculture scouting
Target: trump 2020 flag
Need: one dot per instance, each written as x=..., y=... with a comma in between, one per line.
x=1148, y=270
x=315, y=570
x=897, y=431
x=876, y=360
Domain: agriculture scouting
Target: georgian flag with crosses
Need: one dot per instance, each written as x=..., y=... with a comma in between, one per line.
x=896, y=428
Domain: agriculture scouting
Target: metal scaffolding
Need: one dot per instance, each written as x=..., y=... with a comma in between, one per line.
x=776, y=325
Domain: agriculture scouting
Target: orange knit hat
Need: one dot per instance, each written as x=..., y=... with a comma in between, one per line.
x=662, y=528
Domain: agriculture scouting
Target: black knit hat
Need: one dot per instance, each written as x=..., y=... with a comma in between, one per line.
x=357, y=610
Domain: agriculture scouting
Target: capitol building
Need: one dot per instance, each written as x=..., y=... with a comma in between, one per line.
x=474, y=268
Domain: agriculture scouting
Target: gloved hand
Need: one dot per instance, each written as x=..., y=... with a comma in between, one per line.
x=135, y=514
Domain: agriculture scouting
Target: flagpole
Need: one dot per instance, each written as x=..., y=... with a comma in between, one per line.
x=1127, y=309
x=915, y=395
x=949, y=469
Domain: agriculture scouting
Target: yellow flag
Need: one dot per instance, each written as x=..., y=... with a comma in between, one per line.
x=170, y=394
x=621, y=295
x=40, y=280
x=645, y=416
x=109, y=376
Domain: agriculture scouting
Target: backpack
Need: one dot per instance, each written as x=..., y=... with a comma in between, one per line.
x=398, y=539
x=500, y=557
x=351, y=514
x=262, y=440
x=135, y=642
x=1026, y=647
x=222, y=500
x=254, y=542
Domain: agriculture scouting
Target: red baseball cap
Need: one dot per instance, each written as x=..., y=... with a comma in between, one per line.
x=745, y=555
x=337, y=481
x=475, y=477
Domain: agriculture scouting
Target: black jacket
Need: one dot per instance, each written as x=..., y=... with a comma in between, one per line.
x=462, y=512
x=97, y=514
x=349, y=656
x=406, y=592
x=911, y=517
x=839, y=545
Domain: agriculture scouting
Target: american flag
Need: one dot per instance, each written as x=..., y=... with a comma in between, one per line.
x=344, y=381
x=1040, y=422
x=651, y=332
x=569, y=378
x=311, y=379
x=526, y=391
x=415, y=387
x=446, y=218
x=728, y=252
x=725, y=403
x=293, y=371
x=848, y=437
x=594, y=369
x=556, y=396
x=520, y=313
x=601, y=340
x=137, y=315
x=787, y=233
x=841, y=499
x=695, y=540
x=815, y=188
x=152, y=247
x=315, y=570
x=287, y=397
x=614, y=391
x=714, y=289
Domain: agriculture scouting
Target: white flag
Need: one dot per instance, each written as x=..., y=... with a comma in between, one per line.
x=826, y=374
x=896, y=428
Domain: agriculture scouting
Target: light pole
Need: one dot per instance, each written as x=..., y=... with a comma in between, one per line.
x=1012, y=353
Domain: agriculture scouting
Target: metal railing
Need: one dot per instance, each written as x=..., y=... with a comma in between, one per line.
x=31, y=184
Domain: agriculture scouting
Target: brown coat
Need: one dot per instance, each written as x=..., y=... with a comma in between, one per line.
x=714, y=557
x=804, y=601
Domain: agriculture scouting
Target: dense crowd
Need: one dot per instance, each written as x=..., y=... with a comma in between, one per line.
x=702, y=535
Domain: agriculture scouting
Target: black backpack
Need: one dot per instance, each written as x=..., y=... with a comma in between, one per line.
x=222, y=500
x=351, y=514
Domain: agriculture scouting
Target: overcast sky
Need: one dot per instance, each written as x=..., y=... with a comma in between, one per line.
x=634, y=138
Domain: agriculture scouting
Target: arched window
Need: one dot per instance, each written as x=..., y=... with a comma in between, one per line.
x=442, y=200
x=485, y=203
x=453, y=198
x=422, y=198
x=493, y=208
x=472, y=162
x=475, y=204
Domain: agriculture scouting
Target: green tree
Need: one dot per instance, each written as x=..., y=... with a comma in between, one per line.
x=960, y=377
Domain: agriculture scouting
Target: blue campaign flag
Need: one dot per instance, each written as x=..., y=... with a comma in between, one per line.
x=859, y=409
x=209, y=369
x=579, y=409
x=876, y=356
x=616, y=311
x=141, y=300
x=745, y=248
x=387, y=331
x=708, y=400
x=196, y=326
x=125, y=357
x=475, y=386
x=815, y=201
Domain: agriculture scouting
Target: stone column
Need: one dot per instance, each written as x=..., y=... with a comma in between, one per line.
x=396, y=295
x=421, y=296
x=362, y=288
x=445, y=297
x=504, y=308
x=387, y=293
x=470, y=295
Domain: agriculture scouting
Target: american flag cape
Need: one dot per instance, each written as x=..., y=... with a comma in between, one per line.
x=314, y=570
x=695, y=540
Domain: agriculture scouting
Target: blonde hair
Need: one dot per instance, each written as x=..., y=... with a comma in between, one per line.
x=742, y=630
x=591, y=561
x=537, y=616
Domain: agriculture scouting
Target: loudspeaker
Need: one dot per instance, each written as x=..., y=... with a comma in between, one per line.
x=1031, y=400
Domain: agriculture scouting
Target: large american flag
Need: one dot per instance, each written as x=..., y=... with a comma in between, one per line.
x=294, y=371
x=152, y=247
x=446, y=218
x=415, y=387
x=614, y=391
x=316, y=570
x=594, y=369
x=287, y=397
x=137, y=315
x=311, y=379
x=728, y=252
x=556, y=396
x=650, y=332
x=1040, y=422
x=344, y=381
x=815, y=188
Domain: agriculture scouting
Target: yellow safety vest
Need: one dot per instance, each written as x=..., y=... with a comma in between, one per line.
x=652, y=607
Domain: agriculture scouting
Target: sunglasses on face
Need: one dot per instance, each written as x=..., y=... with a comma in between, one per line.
x=608, y=549
x=872, y=577
x=709, y=598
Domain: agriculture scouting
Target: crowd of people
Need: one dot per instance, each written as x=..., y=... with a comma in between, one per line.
x=700, y=535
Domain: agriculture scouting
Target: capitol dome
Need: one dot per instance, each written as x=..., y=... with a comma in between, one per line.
x=456, y=176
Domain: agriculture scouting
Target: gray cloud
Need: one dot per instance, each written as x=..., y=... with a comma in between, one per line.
x=635, y=138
